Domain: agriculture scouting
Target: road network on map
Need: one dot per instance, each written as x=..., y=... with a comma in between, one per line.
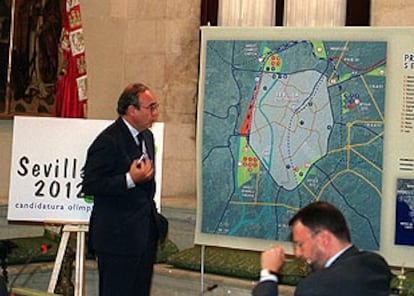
x=286, y=123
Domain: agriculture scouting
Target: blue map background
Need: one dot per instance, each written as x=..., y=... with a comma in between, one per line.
x=244, y=192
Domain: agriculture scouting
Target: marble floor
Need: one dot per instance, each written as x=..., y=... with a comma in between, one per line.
x=167, y=281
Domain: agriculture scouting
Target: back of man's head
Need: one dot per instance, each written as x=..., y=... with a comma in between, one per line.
x=321, y=215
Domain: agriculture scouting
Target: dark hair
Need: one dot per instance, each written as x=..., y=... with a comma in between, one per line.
x=322, y=215
x=130, y=96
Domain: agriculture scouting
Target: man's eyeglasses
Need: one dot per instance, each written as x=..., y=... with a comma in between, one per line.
x=152, y=107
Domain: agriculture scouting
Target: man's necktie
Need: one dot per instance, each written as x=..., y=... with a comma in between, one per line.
x=139, y=140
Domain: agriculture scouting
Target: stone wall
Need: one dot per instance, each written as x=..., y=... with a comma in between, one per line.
x=156, y=43
x=392, y=13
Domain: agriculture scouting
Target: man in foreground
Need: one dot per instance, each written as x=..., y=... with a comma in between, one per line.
x=321, y=238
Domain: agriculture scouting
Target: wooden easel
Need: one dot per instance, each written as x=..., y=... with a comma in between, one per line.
x=80, y=229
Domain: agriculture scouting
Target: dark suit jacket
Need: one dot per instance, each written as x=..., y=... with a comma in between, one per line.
x=354, y=273
x=122, y=220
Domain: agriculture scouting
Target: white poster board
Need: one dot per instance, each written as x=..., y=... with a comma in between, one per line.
x=47, y=157
x=248, y=85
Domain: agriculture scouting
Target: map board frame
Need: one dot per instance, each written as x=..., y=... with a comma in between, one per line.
x=398, y=152
x=48, y=154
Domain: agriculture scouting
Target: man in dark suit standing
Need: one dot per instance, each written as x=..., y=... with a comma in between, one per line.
x=119, y=174
x=321, y=237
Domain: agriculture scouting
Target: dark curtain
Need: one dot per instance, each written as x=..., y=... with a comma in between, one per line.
x=358, y=12
x=209, y=12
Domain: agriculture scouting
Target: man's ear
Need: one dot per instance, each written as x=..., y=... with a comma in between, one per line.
x=130, y=110
x=325, y=238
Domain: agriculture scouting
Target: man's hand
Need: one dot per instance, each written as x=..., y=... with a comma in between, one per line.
x=141, y=170
x=273, y=259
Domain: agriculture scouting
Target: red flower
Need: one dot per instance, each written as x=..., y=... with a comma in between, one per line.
x=44, y=248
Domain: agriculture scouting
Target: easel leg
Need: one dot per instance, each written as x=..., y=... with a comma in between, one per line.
x=80, y=259
x=203, y=252
x=58, y=263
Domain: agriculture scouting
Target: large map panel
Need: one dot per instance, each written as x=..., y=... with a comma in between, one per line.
x=288, y=122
